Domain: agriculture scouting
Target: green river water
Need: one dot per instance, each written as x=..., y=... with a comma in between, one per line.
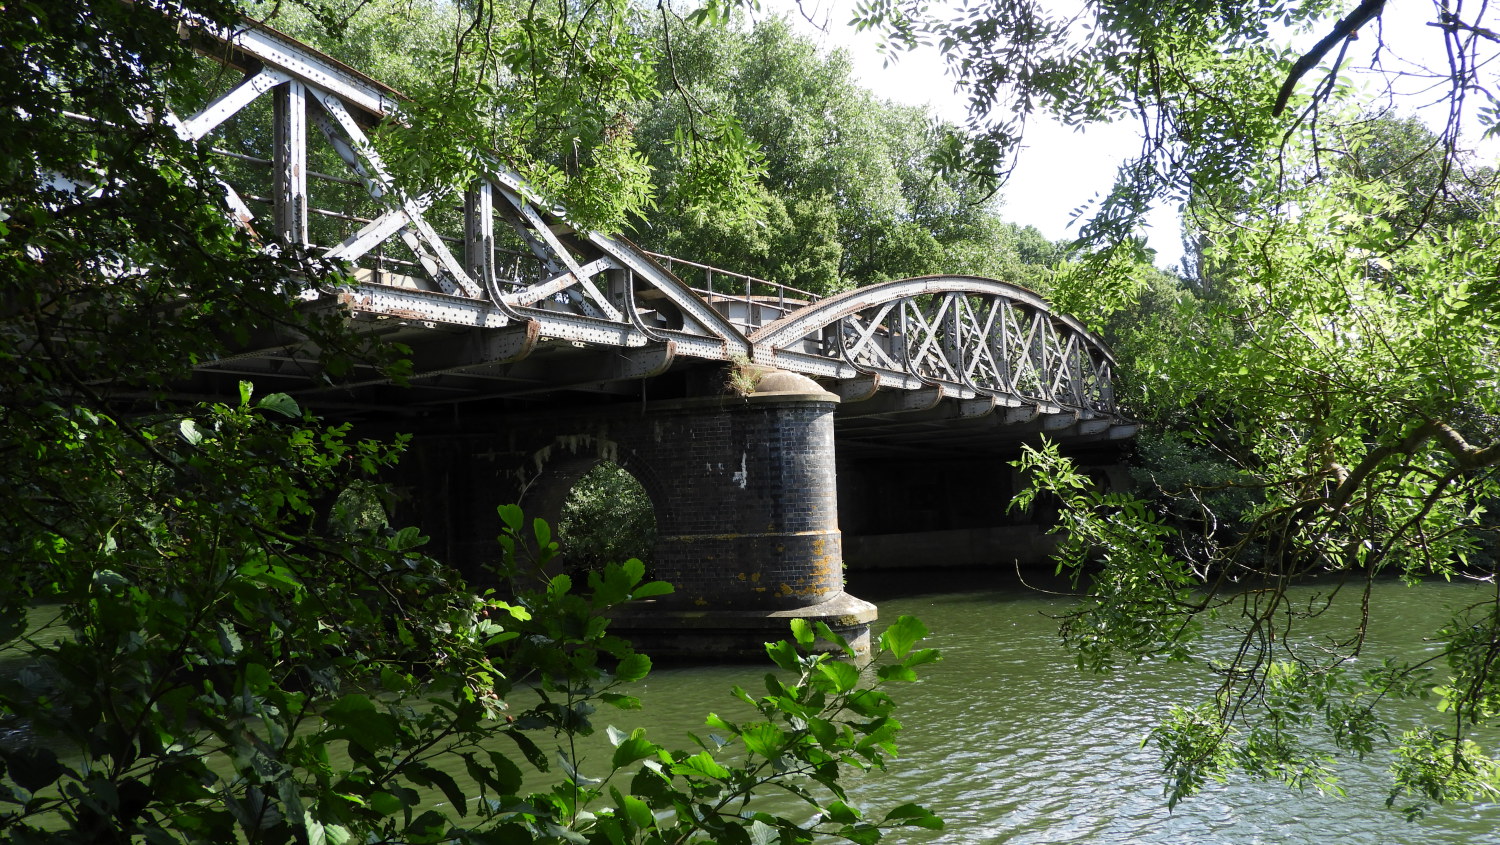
x=1009, y=742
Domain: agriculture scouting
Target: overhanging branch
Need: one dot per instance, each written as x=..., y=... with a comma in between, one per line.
x=1346, y=27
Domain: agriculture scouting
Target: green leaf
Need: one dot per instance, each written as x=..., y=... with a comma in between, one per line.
x=360, y=723
x=764, y=739
x=836, y=638
x=633, y=667
x=783, y=654
x=900, y=637
x=862, y=834
x=652, y=588
x=921, y=656
x=701, y=764
x=615, y=735
x=512, y=516
x=423, y=775
x=623, y=702
x=407, y=538
x=280, y=403
x=385, y=803
x=870, y=703
x=12, y=623
x=914, y=815
x=33, y=768
x=895, y=672
x=802, y=632
x=529, y=749
x=632, y=748
x=431, y=826
x=845, y=676
x=508, y=778
x=761, y=833
x=842, y=813
x=257, y=678
x=636, y=810
x=824, y=732
x=188, y=429
x=634, y=570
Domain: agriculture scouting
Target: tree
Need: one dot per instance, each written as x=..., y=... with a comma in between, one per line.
x=547, y=88
x=1438, y=187
x=207, y=639
x=847, y=193
x=1214, y=87
x=607, y=517
x=1345, y=375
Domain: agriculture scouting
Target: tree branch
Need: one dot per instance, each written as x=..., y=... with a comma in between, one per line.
x=1363, y=13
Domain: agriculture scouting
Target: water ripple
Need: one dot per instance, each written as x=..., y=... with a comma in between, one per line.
x=1010, y=743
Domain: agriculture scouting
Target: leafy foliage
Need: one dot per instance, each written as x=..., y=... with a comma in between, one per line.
x=1200, y=78
x=549, y=88
x=257, y=695
x=607, y=517
x=1331, y=393
x=847, y=191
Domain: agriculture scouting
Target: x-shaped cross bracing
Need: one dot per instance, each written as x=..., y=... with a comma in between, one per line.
x=972, y=337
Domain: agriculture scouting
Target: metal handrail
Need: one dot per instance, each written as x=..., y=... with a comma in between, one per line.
x=787, y=298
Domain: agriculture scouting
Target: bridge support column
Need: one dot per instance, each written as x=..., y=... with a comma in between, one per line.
x=754, y=516
x=743, y=488
x=748, y=529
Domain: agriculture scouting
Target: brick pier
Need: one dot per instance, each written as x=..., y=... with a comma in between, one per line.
x=744, y=491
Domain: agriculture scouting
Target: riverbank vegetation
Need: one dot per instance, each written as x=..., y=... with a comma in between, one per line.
x=1320, y=382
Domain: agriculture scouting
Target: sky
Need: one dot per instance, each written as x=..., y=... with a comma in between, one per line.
x=1061, y=168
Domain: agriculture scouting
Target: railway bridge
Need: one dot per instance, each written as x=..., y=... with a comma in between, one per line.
x=761, y=420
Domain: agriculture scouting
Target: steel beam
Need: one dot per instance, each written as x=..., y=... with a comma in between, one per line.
x=289, y=171
x=892, y=402
x=951, y=348
x=857, y=389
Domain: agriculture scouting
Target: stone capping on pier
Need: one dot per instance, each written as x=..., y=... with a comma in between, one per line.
x=684, y=634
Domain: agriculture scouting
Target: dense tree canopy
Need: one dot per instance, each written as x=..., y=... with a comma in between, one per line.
x=849, y=192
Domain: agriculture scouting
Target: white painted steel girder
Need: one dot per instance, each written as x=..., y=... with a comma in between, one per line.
x=291, y=68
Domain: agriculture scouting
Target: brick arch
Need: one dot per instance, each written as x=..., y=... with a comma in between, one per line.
x=552, y=471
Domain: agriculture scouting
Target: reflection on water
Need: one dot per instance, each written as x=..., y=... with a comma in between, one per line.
x=1008, y=742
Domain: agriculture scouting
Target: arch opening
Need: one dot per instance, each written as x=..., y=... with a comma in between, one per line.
x=606, y=517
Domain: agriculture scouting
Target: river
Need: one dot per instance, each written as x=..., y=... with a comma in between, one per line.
x=1009, y=742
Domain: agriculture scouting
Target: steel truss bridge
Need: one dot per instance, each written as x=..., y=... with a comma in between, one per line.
x=504, y=302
